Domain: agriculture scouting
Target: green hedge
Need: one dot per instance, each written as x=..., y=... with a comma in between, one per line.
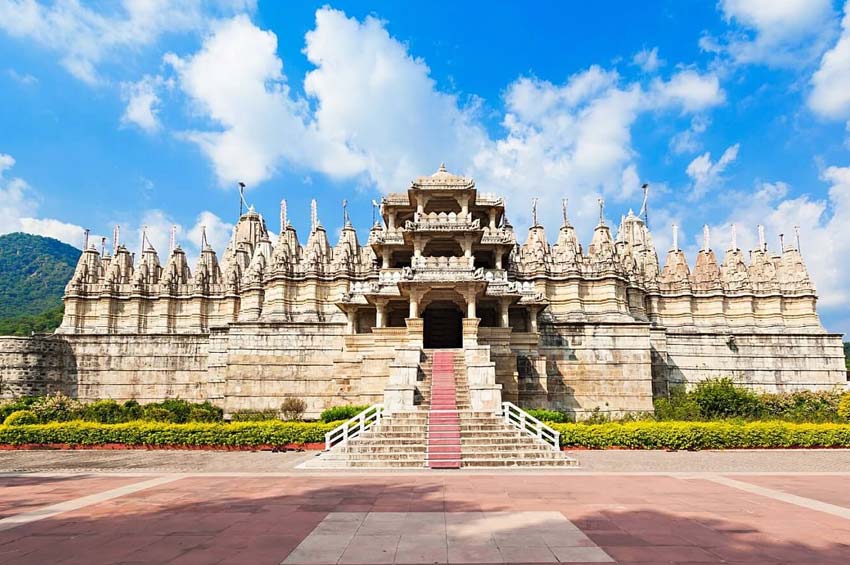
x=143, y=433
x=703, y=435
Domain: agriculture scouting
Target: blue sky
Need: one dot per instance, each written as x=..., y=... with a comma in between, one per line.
x=148, y=113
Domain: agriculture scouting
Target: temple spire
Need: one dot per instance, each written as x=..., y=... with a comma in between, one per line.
x=762, y=242
x=172, y=240
x=346, y=221
x=204, y=242
x=103, y=247
x=534, y=211
x=314, y=216
x=116, y=233
x=601, y=202
x=734, y=245
x=284, y=221
x=86, y=239
x=797, y=237
x=675, y=238
x=706, y=244
x=782, y=243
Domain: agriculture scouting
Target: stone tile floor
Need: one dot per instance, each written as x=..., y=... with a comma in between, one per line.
x=429, y=517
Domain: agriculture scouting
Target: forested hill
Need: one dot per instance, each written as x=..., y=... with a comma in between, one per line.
x=33, y=273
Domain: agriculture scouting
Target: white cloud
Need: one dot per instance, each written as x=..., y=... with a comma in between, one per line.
x=85, y=37
x=24, y=79
x=218, y=232
x=648, y=60
x=690, y=90
x=372, y=112
x=143, y=102
x=18, y=205
x=777, y=33
x=830, y=95
x=706, y=173
x=688, y=141
x=237, y=80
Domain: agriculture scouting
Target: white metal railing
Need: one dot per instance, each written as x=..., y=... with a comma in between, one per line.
x=525, y=422
x=355, y=426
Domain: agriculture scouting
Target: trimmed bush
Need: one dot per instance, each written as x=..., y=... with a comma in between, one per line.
x=254, y=415
x=105, y=412
x=720, y=398
x=57, y=407
x=293, y=408
x=241, y=434
x=844, y=407
x=678, y=405
x=704, y=435
x=132, y=410
x=338, y=413
x=21, y=418
x=13, y=405
x=549, y=415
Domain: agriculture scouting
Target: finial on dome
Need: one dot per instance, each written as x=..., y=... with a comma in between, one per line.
x=534, y=212
x=601, y=202
x=797, y=237
x=442, y=168
x=284, y=221
x=675, y=238
x=346, y=221
x=86, y=239
x=734, y=245
x=564, y=203
x=762, y=242
x=204, y=243
x=116, y=232
x=782, y=243
x=706, y=244
x=314, y=216
x=172, y=240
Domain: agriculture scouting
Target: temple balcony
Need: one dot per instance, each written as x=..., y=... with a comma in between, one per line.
x=388, y=237
x=498, y=236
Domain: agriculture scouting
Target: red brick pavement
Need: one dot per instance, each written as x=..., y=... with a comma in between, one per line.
x=648, y=519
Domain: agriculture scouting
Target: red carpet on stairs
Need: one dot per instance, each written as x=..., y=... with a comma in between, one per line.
x=443, y=418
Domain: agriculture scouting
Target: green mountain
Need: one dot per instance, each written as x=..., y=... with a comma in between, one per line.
x=33, y=273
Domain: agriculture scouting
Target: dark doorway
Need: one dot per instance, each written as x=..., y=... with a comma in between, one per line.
x=443, y=326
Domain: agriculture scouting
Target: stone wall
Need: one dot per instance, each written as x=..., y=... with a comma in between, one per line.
x=267, y=362
x=766, y=362
x=32, y=366
x=575, y=367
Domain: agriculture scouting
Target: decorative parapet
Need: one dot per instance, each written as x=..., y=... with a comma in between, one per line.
x=395, y=237
x=498, y=236
x=443, y=222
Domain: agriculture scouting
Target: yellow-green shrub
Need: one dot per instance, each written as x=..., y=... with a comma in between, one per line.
x=703, y=435
x=21, y=418
x=142, y=433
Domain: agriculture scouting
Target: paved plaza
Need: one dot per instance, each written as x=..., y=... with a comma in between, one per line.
x=627, y=507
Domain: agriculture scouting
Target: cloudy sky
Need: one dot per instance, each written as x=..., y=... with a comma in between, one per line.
x=149, y=112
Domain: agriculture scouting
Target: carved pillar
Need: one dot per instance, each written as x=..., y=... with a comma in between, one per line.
x=415, y=296
x=499, y=253
x=492, y=218
x=464, y=206
x=380, y=311
x=352, y=321
x=532, y=317
x=504, y=313
x=385, y=258
x=391, y=221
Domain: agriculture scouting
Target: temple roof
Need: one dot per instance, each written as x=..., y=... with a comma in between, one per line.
x=443, y=180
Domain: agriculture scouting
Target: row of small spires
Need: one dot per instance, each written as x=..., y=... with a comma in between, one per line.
x=316, y=224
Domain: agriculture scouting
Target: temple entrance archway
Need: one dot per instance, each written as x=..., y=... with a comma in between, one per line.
x=443, y=325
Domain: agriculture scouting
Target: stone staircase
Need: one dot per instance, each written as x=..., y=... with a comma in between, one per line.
x=442, y=432
x=444, y=440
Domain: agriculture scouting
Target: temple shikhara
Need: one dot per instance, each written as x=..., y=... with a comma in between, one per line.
x=538, y=324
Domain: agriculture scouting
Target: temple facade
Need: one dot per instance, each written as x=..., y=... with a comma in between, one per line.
x=541, y=325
